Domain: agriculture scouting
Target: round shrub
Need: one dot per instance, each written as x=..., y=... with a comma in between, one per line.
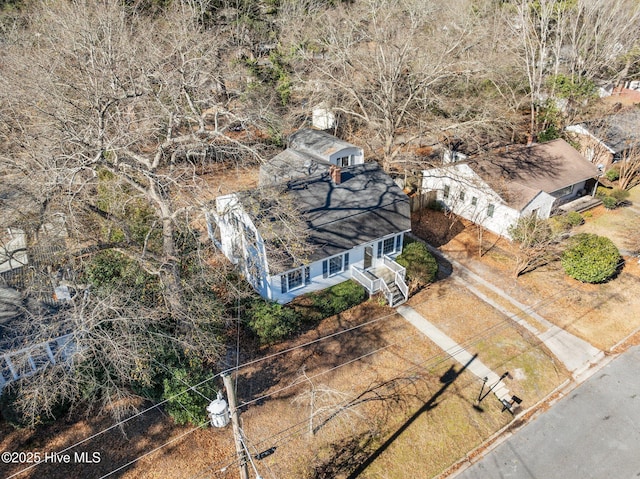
x=272, y=322
x=590, y=258
x=612, y=174
x=620, y=195
x=184, y=405
x=609, y=202
x=574, y=218
x=420, y=263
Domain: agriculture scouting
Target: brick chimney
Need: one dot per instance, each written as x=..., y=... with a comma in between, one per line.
x=336, y=174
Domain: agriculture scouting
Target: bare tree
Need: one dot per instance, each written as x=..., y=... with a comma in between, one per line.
x=96, y=89
x=629, y=167
x=535, y=243
x=381, y=63
x=108, y=117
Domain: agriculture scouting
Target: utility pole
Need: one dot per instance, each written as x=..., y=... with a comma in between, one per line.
x=235, y=422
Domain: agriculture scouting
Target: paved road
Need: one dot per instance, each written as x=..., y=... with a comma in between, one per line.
x=593, y=433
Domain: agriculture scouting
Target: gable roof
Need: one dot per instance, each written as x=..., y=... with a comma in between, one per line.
x=288, y=165
x=618, y=132
x=364, y=206
x=317, y=143
x=522, y=172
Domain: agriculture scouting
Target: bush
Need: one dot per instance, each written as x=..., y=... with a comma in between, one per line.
x=620, y=195
x=590, y=258
x=559, y=225
x=574, y=218
x=611, y=197
x=420, y=263
x=609, y=202
x=612, y=174
x=338, y=298
x=272, y=322
x=190, y=406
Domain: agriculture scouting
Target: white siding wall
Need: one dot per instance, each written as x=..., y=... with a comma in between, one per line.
x=358, y=155
x=232, y=221
x=543, y=203
x=356, y=258
x=460, y=178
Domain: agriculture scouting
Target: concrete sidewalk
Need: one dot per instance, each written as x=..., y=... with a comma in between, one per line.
x=456, y=351
x=576, y=354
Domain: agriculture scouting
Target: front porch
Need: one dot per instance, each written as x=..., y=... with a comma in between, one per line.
x=580, y=204
x=386, y=276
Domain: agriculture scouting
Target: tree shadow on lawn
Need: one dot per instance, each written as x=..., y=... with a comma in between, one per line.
x=354, y=455
x=285, y=370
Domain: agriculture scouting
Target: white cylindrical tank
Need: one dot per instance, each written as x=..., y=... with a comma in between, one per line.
x=218, y=411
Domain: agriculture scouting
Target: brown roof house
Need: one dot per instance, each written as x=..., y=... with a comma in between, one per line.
x=495, y=189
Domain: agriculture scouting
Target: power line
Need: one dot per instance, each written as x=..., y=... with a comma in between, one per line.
x=171, y=441
x=487, y=332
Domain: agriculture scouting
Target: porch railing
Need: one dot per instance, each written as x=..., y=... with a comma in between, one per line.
x=372, y=285
x=402, y=286
x=393, y=266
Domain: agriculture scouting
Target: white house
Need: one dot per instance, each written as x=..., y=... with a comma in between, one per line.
x=355, y=217
x=610, y=139
x=308, y=152
x=495, y=190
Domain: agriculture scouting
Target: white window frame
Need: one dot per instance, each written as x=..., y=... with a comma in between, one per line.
x=385, y=250
x=340, y=161
x=335, y=265
x=491, y=209
x=562, y=192
x=304, y=273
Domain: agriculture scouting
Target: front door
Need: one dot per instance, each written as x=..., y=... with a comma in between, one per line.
x=368, y=256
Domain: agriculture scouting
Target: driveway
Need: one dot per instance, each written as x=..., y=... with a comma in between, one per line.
x=592, y=433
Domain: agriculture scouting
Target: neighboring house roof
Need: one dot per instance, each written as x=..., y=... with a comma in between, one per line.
x=289, y=165
x=521, y=172
x=316, y=143
x=13, y=252
x=618, y=132
x=364, y=206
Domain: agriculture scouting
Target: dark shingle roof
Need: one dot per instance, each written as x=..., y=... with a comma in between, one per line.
x=366, y=205
x=316, y=143
x=289, y=165
x=619, y=132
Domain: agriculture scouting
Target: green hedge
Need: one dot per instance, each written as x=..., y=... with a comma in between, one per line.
x=334, y=300
x=272, y=322
x=590, y=258
x=420, y=263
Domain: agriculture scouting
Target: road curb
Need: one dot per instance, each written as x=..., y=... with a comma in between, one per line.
x=522, y=419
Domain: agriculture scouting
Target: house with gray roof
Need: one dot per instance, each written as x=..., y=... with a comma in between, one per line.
x=610, y=139
x=309, y=151
x=353, y=220
x=495, y=189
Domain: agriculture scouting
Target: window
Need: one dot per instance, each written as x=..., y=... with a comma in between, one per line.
x=461, y=196
x=445, y=191
x=295, y=279
x=490, y=209
x=335, y=265
x=389, y=245
x=474, y=201
x=563, y=192
x=343, y=161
